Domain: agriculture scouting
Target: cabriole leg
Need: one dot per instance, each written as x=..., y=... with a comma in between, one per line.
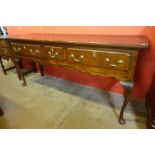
x=128, y=87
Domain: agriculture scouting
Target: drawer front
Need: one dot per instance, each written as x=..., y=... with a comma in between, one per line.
x=3, y=43
x=52, y=52
x=83, y=56
x=17, y=48
x=33, y=50
x=26, y=49
x=115, y=60
x=4, y=51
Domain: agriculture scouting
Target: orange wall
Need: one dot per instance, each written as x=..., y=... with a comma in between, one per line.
x=144, y=69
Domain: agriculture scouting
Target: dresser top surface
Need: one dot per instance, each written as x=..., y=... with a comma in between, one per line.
x=134, y=41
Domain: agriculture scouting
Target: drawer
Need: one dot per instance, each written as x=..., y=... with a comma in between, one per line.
x=4, y=51
x=26, y=49
x=33, y=50
x=115, y=60
x=83, y=56
x=3, y=43
x=17, y=48
x=52, y=52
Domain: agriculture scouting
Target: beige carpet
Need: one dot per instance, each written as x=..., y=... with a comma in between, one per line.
x=49, y=102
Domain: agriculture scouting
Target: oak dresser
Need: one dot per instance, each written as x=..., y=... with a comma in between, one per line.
x=104, y=55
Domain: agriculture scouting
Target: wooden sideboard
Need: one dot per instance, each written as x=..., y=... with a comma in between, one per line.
x=104, y=55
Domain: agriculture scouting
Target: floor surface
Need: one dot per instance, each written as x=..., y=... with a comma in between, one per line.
x=50, y=102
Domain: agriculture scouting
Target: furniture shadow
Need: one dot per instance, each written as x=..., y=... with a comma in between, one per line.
x=96, y=95
x=138, y=108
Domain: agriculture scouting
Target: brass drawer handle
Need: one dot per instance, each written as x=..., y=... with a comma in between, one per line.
x=120, y=61
x=36, y=52
x=77, y=60
x=17, y=50
x=54, y=55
